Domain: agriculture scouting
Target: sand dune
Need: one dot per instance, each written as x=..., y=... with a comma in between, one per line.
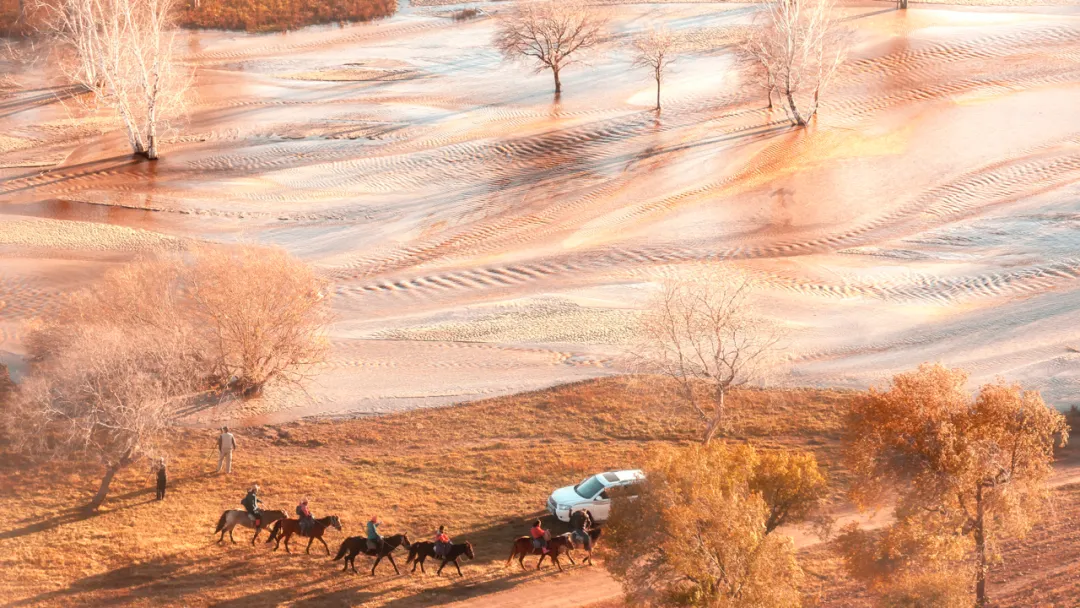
x=484, y=238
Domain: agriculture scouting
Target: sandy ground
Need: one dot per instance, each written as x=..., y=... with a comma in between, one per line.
x=485, y=239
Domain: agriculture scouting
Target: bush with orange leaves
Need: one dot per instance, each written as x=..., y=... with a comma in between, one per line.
x=963, y=470
x=699, y=531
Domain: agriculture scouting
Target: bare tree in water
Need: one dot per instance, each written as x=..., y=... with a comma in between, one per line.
x=655, y=50
x=797, y=49
x=121, y=51
x=705, y=335
x=551, y=34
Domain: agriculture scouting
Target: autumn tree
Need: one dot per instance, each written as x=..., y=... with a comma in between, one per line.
x=705, y=335
x=797, y=49
x=964, y=471
x=655, y=51
x=115, y=363
x=121, y=52
x=551, y=34
x=108, y=395
x=793, y=486
x=698, y=532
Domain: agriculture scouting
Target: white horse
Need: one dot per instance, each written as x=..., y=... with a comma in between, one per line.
x=231, y=518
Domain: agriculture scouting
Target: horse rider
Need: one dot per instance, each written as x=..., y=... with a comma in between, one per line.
x=253, y=505
x=442, y=543
x=580, y=524
x=374, y=540
x=226, y=443
x=303, y=511
x=539, y=537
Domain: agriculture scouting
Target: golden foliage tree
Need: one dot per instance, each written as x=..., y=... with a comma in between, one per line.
x=698, y=531
x=964, y=471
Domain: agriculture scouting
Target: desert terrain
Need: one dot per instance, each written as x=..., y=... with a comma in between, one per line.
x=485, y=238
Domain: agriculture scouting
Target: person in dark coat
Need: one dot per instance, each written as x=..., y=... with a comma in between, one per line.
x=162, y=478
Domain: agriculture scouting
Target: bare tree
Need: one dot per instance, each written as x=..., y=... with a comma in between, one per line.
x=655, y=50
x=550, y=33
x=798, y=50
x=121, y=51
x=704, y=334
x=108, y=395
x=262, y=313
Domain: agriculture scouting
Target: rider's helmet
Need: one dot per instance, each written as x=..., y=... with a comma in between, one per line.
x=303, y=500
x=375, y=519
x=255, y=489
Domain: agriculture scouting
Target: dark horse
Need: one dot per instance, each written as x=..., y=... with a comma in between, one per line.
x=420, y=551
x=285, y=528
x=355, y=545
x=575, y=543
x=557, y=546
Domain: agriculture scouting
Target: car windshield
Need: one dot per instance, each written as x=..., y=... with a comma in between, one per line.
x=589, y=487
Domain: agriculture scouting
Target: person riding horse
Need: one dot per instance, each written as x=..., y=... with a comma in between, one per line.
x=580, y=524
x=442, y=543
x=253, y=505
x=303, y=512
x=374, y=540
x=539, y=537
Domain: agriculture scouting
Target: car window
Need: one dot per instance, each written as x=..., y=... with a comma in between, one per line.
x=589, y=487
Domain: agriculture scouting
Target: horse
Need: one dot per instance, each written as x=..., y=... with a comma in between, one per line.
x=229, y=519
x=285, y=528
x=524, y=546
x=355, y=545
x=594, y=537
x=420, y=551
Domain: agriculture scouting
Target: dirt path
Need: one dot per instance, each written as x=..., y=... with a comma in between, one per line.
x=584, y=587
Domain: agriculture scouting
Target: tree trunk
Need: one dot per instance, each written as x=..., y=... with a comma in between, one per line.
x=103, y=490
x=714, y=425
x=903, y=5
x=799, y=120
x=980, y=551
x=769, y=91
x=558, y=83
x=657, y=94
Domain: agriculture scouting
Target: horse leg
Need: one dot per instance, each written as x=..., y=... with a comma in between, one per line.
x=555, y=558
x=258, y=529
x=230, y=536
x=458, y=566
x=324, y=545
x=287, y=535
x=521, y=560
x=378, y=558
x=570, y=557
x=542, y=556
x=422, y=559
x=392, y=563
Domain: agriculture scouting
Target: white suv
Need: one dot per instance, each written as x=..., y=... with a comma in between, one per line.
x=590, y=495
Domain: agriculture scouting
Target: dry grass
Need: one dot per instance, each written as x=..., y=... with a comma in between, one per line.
x=484, y=469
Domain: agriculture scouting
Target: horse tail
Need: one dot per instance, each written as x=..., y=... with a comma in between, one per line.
x=274, y=531
x=341, y=551
x=221, y=522
x=513, y=552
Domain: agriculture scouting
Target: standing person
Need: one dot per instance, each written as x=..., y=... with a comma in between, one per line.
x=226, y=443
x=374, y=540
x=580, y=524
x=162, y=478
x=442, y=542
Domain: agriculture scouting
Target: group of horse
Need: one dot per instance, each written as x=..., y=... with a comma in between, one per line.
x=284, y=528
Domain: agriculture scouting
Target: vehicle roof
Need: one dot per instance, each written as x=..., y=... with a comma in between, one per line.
x=614, y=478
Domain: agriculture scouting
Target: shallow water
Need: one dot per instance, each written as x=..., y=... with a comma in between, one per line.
x=506, y=239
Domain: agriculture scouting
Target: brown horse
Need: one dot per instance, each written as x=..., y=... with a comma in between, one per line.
x=523, y=546
x=422, y=550
x=232, y=518
x=285, y=528
x=575, y=543
x=355, y=545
